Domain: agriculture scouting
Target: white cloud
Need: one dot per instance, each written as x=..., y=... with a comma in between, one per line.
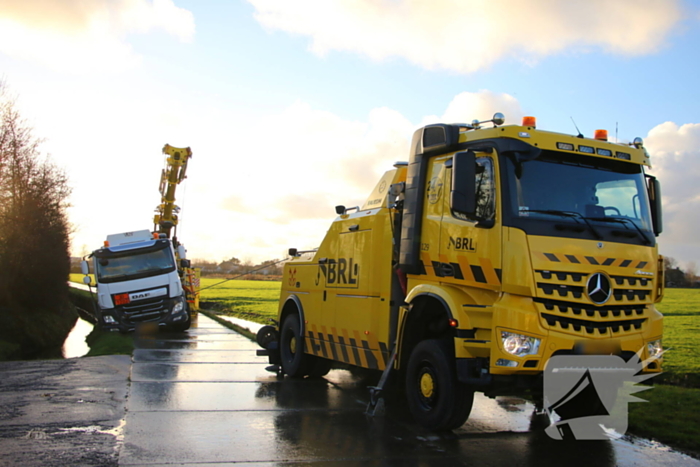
x=469, y=35
x=675, y=155
x=256, y=185
x=86, y=35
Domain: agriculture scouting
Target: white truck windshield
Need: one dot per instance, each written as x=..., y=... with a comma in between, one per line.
x=134, y=264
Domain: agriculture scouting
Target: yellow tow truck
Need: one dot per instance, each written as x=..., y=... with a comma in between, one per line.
x=495, y=248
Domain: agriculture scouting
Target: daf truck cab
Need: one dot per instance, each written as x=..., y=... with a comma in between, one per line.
x=137, y=281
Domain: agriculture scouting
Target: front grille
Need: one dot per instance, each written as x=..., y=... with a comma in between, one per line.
x=571, y=286
x=564, y=305
x=144, y=311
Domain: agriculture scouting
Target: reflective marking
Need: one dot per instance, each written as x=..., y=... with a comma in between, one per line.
x=343, y=349
x=489, y=272
x=466, y=269
x=371, y=360
x=355, y=353
x=326, y=344
x=331, y=339
x=363, y=358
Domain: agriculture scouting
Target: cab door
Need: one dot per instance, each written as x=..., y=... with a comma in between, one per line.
x=470, y=242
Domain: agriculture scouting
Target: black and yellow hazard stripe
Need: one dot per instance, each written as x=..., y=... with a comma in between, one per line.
x=347, y=346
x=463, y=269
x=593, y=260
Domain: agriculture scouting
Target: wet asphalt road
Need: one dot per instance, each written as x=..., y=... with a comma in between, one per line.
x=204, y=398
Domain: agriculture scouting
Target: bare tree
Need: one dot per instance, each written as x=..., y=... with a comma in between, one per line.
x=670, y=262
x=34, y=229
x=691, y=273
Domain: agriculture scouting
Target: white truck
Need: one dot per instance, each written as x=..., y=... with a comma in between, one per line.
x=138, y=282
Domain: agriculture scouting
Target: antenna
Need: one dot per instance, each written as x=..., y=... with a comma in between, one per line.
x=616, y=132
x=580, y=135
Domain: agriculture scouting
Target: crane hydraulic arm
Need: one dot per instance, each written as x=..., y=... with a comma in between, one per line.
x=173, y=173
x=166, y=217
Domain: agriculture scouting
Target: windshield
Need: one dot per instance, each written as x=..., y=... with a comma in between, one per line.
x=593, y=197
x=134, y=264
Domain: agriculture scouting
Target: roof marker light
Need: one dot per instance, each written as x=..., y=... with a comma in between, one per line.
x=530, y=121
x=601, y=135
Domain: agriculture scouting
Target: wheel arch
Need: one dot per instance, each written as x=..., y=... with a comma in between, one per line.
x=428, y=318
x=293, y=305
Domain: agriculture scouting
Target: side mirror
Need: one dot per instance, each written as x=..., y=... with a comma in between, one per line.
x=462, y=195
x=340, y=210
x=181, y=252
x=87, y=280
x=84, y=268
x=292, y=252
x=185, y=263
x=655, y=202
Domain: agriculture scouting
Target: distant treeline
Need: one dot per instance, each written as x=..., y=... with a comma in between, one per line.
x=234, y=266
x=677, y=277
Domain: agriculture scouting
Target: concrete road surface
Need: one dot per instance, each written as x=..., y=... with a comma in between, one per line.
x=204, y=398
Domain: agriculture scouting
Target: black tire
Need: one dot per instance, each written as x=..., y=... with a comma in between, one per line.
x=295, y=363
x=265, y=335
x=436, y=399
x=319, y=367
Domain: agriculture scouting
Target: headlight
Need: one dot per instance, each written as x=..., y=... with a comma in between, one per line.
x=519, y=345
x=109, y=319
x=654, y=348
x=178, y=306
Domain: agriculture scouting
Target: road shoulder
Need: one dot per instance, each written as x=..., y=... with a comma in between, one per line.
x=63, y=412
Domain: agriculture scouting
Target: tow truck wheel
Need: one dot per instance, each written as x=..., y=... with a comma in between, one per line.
x=437, y=400
x=295, y=362
x=320, y=367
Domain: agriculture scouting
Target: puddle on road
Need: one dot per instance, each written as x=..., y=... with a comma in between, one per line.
x=75, y=345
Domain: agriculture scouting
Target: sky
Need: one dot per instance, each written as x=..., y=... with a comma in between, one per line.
x=293, y=107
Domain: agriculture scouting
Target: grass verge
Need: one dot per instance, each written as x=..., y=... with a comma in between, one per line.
x=670, y=417
x=109, y=343
x=234, y=327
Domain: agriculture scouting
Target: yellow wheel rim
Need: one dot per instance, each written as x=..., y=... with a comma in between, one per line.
x=293, y=344
x=427, y=385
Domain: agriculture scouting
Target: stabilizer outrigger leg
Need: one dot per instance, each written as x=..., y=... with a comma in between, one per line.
x=376, y=401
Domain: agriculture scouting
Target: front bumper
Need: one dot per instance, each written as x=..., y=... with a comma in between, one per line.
x=127, y=318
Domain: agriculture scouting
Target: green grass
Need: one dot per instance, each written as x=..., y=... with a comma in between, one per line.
x=681, y=310
x=669, y=417
x=109, y=343
x=251, y=300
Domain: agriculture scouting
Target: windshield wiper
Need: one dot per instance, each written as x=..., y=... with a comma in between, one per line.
x=571, y=214
x=624, y=220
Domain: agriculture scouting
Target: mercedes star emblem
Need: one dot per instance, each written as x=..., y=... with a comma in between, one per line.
x=598, y=288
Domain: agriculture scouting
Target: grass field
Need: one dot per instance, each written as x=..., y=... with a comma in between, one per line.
x=681, y=310
x=252, y=300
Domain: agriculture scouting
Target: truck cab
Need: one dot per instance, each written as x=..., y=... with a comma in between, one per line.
x=138, y=282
